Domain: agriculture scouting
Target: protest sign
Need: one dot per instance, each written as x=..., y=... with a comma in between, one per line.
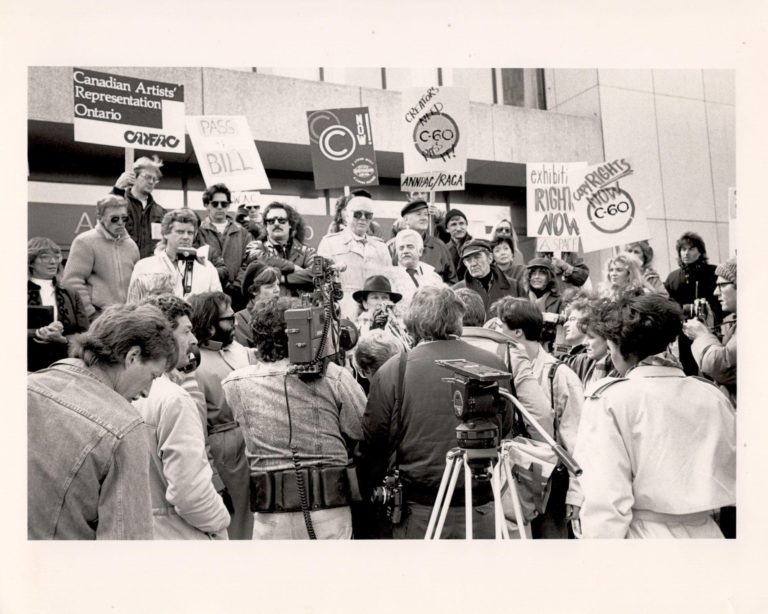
x=607, y=215
x=435, y=123
x=341, y=142
x=549, y=205
x=436, y=181
x=128, y=112
x=226, y=152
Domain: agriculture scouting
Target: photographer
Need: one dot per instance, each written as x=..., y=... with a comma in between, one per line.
x=716, y=358
x=693, y=281
x=295, y=430
x=191, y=272
x=378, y=301
x=424, y=429
x=541, y=282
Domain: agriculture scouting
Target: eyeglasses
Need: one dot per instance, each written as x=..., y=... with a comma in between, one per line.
x=219, y=204
x=148, y=177
x=118, y=218
x=503, y=231
x=49, y=258
x=276, y=220
x=252, y=207
x=368, y=215
x=723, y=284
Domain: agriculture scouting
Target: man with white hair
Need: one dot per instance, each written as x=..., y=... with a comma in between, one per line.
x=144, y=214
x=410, y=273
x=362, y=254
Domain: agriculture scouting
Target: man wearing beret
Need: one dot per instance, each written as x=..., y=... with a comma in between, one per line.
x=416, y=216
x=456, y=225
x=484, y=277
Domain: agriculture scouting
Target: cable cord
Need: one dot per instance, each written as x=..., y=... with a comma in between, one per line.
x=302, y=487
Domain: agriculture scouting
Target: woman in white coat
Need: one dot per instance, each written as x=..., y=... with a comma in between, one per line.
x=658, y=449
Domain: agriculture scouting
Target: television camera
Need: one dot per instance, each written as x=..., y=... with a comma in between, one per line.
x=316, y=333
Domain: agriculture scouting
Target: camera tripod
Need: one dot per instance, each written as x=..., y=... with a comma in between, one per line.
x=495, y=461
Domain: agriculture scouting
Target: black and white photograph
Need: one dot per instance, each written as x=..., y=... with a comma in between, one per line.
x=369, y=301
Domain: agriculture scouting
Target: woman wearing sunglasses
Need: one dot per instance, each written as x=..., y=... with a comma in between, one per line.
x=101, y=260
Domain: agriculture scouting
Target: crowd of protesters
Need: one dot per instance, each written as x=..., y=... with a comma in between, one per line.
x=162, y=403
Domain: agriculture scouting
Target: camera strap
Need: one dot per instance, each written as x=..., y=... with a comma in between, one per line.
x=395, y=423
x=555, y=415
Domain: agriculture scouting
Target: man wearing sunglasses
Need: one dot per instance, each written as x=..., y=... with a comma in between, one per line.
x=283, y=249
x=226, y=238
x=101, y=260
x=362, y=254
x=144, y=214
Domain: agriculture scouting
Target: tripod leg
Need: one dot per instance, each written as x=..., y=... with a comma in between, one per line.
x=467, y=500
x=440, y=493
x=452, y=469
x=519, y=518
x=502, y=532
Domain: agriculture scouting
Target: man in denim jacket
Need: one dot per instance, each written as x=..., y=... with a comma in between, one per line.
x=87, y=453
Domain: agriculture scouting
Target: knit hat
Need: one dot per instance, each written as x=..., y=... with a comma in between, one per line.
x=454, y=213
x=727, y=270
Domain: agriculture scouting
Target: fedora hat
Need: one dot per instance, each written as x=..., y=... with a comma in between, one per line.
x=376, y=283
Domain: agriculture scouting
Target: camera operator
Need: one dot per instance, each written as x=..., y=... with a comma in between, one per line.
x=190, y=270
x=716, y=358
x=426, y=428
x=295, y=430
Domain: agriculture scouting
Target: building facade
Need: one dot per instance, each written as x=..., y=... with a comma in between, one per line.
x=677, y=128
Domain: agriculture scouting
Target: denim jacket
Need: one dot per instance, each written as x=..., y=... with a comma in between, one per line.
x=321, y=410
x=87, y=458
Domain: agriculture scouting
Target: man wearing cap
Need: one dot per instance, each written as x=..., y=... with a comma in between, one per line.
x=484, y=277
x=410, y=274
x=716, y=358
x=144, y=214
x=416, y=216
x=363, y=255
x=456, y=225
x=101, y=260
x=226, y=237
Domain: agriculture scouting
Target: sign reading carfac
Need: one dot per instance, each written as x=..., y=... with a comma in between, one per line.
x=606, y=212
x=226, y=152
x=549, y=205
x=128, y=112
x=435, y=125
x=341, y=142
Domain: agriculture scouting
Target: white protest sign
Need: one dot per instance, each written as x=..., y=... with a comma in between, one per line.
x=127, y=112
x=606, y=213
x=226, y=152
x=549, y=205
x=436, y=181
x=435, y=125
